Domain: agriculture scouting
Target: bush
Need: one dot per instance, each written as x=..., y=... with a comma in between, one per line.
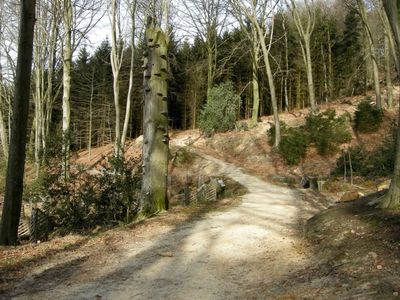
x=383, y=159
x=368, y=117
x=358, y=155
x=293, y=145
x=242, y=126
x=183, y=157
x=327, y=131
x=88, y=200
x=271, y=132
x=219, y=113
x=378, y=163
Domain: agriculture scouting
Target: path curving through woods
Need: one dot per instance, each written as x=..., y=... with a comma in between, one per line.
x=232, y=254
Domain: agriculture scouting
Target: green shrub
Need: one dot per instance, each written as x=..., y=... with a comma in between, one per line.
x=383, y=159
x=293, y=145
x=358, y=155
x=327, y=131
x=242, y=126
x=368, y=117
x=87, y=200
x=183, y=156
x=219, y=113
x=271, y=132
x=378, y=163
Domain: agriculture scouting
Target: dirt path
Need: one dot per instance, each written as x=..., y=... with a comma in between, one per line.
x=225, y=255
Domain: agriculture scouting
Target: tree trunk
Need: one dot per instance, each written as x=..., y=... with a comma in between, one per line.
x=91, y=116
x=287, y=108
x=155, y=122
x=271, y=83
x=210, y=71
x=305, y=32
x=310, y=80
x=116, y=60
x=131, y=74
x=66, y=105
x=392, y=197
x=371, y=50
x=256, y=91
x=388, y=75
x=16, y=159
x=3, y=132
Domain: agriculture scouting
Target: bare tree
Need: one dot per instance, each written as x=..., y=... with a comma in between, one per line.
x=78, y=20
x=16, y=159
x=207, y=17
x=305, y=30
x=371, y=50
x=133, y=10
x=253, y=11
x=117, y=51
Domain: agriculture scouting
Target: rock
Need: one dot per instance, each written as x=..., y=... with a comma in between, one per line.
x=384, y=185
x=221, y=183
x=166, y=254
x=96, y=230
x=350, y=196
x=395, y=294
x=379, y=267
x=297, y=172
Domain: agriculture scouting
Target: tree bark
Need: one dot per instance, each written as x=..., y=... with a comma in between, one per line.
x=271, y=83
x=256, y=91
x=155, y=122
x=66, y=99
x=16, y=159
x=131, y=74
x=388, y=75
x=287, y=108
x=392, y=197
x=305, y=32
x=116, y=61
x=371, y=50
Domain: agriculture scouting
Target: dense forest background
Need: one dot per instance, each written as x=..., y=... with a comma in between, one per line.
x=341, y=64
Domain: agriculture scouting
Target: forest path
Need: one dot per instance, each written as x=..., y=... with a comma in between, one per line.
x=232, y=254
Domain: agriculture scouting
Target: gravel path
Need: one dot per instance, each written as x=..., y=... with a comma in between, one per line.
x=225, y=255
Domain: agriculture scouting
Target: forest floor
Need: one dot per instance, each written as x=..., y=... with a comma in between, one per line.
x=216, y=255
x=276, y=242
x=253, y=249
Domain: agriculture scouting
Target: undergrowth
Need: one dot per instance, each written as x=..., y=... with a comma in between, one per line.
x=84, y=200
x=373, y=164
x=326, y=131
x=368, y=117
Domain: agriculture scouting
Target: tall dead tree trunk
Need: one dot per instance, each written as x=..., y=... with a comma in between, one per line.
x=155, y=122
x=16, y=159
